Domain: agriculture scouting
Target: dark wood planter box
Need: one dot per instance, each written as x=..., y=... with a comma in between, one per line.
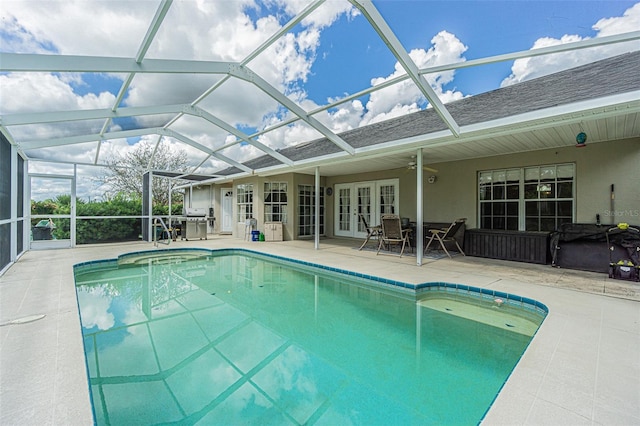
x=520, y=246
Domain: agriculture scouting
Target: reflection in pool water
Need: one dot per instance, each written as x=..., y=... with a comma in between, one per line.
x=232, y=337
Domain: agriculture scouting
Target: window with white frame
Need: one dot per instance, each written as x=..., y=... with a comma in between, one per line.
x=244, y=201
x=548, y=196
x=387, y=203
x=307, y=210
x=538, y=198
x=275, y=202
x=499, y=195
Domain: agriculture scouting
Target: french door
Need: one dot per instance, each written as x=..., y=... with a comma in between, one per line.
x=371, y=199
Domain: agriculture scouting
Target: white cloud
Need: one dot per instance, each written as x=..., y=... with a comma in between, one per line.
x=528, y=68
x=104, y=28
x=95, y=305
x=330, y=11
x=224, y=31
x=629, y=21
x=404, y=97
x=29, y=92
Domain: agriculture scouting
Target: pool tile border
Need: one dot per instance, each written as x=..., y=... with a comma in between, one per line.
x=484, y=293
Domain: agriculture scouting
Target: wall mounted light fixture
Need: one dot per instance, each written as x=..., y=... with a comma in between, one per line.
x=581, y=139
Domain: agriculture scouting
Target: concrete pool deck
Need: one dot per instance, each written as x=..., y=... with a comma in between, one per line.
x=582, y=367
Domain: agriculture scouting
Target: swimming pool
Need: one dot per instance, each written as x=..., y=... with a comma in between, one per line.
x=233, y=336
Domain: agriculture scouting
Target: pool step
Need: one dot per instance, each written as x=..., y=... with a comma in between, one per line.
x=493, y=315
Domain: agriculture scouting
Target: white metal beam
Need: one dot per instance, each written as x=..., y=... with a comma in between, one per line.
x=78, y=115
x=199, y=112
x=419, y=237
x=246, y=74
x=232, y=162
x=530, y=53
x=283, y=30
x=584, y=44
x=161, y=12
x=158, y=18
x=198, y=145
x=388, y=36
x=71, y=140
x=29, y=62
x=87, y=114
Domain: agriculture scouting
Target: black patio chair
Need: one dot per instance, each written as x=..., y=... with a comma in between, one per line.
x=393, y=234
x=372, y=231
x=444, y=235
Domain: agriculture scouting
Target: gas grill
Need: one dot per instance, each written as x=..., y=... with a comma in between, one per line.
x=194, y=223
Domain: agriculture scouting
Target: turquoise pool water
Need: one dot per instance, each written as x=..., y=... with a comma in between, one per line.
x=234, y=337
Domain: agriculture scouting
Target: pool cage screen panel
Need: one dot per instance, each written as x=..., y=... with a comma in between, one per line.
x=11, y=243
x=5, y=202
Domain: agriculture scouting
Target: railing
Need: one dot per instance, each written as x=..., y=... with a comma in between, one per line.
x=157, y=219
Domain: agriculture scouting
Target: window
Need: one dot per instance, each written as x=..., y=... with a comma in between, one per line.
x=244, y=199
x=536, y=198
x=387, y=199
x=307, y=210
x=344, y=209
x=275, y=202
x=499, y=199
x=548, y=194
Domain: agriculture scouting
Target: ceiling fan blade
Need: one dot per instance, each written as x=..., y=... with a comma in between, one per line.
x=429, y=169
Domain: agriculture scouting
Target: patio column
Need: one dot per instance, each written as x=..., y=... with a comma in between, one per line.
x=317, y=210
x=419, y=213
x=147, y=209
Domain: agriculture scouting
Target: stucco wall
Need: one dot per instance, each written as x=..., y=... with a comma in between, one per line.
x=598, y=165
x=202, y=197
x=454, y=194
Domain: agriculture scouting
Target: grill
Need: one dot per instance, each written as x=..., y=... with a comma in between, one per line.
x=194, y=223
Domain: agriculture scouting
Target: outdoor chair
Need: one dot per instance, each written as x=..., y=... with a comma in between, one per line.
x=393, y=234
x=372, y=231
x=445, y=235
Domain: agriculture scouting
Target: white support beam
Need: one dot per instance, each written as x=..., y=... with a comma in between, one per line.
x=388, y=36
x=161, y=12
x=199, y=112
x=71, y=140
x=530, y=53
x=317, y=210
x=232, y=162
x=158, y=18
x=29, y=62
x=197, y=145
x=600, y=41
x=87, y=114
x=282, y=31
x=419, y=210
x=246, y=74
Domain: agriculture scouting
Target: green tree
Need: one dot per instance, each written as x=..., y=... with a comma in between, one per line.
x=125, y=171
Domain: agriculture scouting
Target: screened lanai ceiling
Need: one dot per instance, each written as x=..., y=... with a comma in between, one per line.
x=246, y=87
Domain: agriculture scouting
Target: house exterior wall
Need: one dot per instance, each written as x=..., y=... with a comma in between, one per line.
x=598, y=165
x=455, y=192
x=210, y=195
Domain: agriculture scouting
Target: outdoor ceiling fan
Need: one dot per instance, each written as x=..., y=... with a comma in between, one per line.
x=412, y=165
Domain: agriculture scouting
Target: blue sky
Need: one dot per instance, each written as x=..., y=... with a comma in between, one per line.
x=330, y=54
x=487, y=28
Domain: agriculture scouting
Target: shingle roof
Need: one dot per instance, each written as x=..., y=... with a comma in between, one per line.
x=607, y=77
